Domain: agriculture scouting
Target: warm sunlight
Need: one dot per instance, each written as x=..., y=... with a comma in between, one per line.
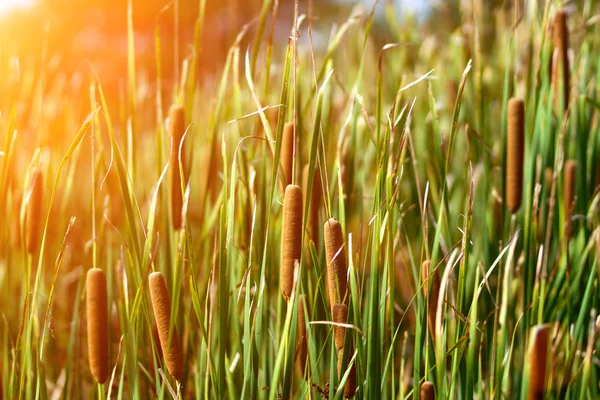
x=14, y=4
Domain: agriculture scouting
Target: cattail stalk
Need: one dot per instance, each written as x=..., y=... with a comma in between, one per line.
x=302, y=336
x=427, y=391
x=161, y=303
x=314, y=202
x=291, y=238
x=514, y=154
x=34, y=212
x=560, y=59
x=176, y=132
x=569, y=192
x=97, y=324
x=537, y=358
x=286, y=157
x=336, y=262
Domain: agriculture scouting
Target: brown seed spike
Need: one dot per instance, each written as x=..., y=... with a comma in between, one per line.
x=560, y=59
x=350, y=386
x=97, y=324
x=176, y=132
x=514, y=154
x=340, y=316
x=34, y=212
x=161, y=303
x=569, y=192
x=287, y=154
x=537, y=358
x=336, y=261
x=302, y=336
x=291, y=238
x=314, y=202
x=427, y=391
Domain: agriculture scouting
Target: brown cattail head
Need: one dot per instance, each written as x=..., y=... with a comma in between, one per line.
x=560, y=58
x=514, y=154
x=97, y=324
x=336, y=262
x=340, y=316
x=537, y=358
x=286, y=157
x=34, y=212
x=314, y=202
x=15, y=232
x=176, y=131
x=431, y=280
x=291, y=238
x=302, y=336
x=161, y=303
x=350, y=386
x=427, y=391
x=569, y=192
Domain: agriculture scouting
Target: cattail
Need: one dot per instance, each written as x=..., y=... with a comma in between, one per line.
x=16, y=221
x=340, y=316
x=350, y=386
x=161, y=303
x=286, y=157
x=569, y=192
x=537, y=360
x=560, y=59
x=176, y=131
x=97, y=324
x=336, y=261
x=291, y=237
x=34, y=212
x=427, y=391
x=302, y=336
x=314, y=202
x=432, y=280
x=514, y=154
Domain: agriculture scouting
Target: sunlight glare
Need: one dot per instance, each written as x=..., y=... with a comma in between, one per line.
x=8, y=5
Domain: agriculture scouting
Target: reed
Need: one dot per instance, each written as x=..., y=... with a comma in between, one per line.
x=161, y=303
x=302, y=337
x=291, y=238
x=336, y=262
x=176, y=132
x=314, y=201
x=560, y=58
x=34, y=212
x=537, y=359
x=97, y=324
x=427, y=391
x=514, y=154
x=286, y=157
